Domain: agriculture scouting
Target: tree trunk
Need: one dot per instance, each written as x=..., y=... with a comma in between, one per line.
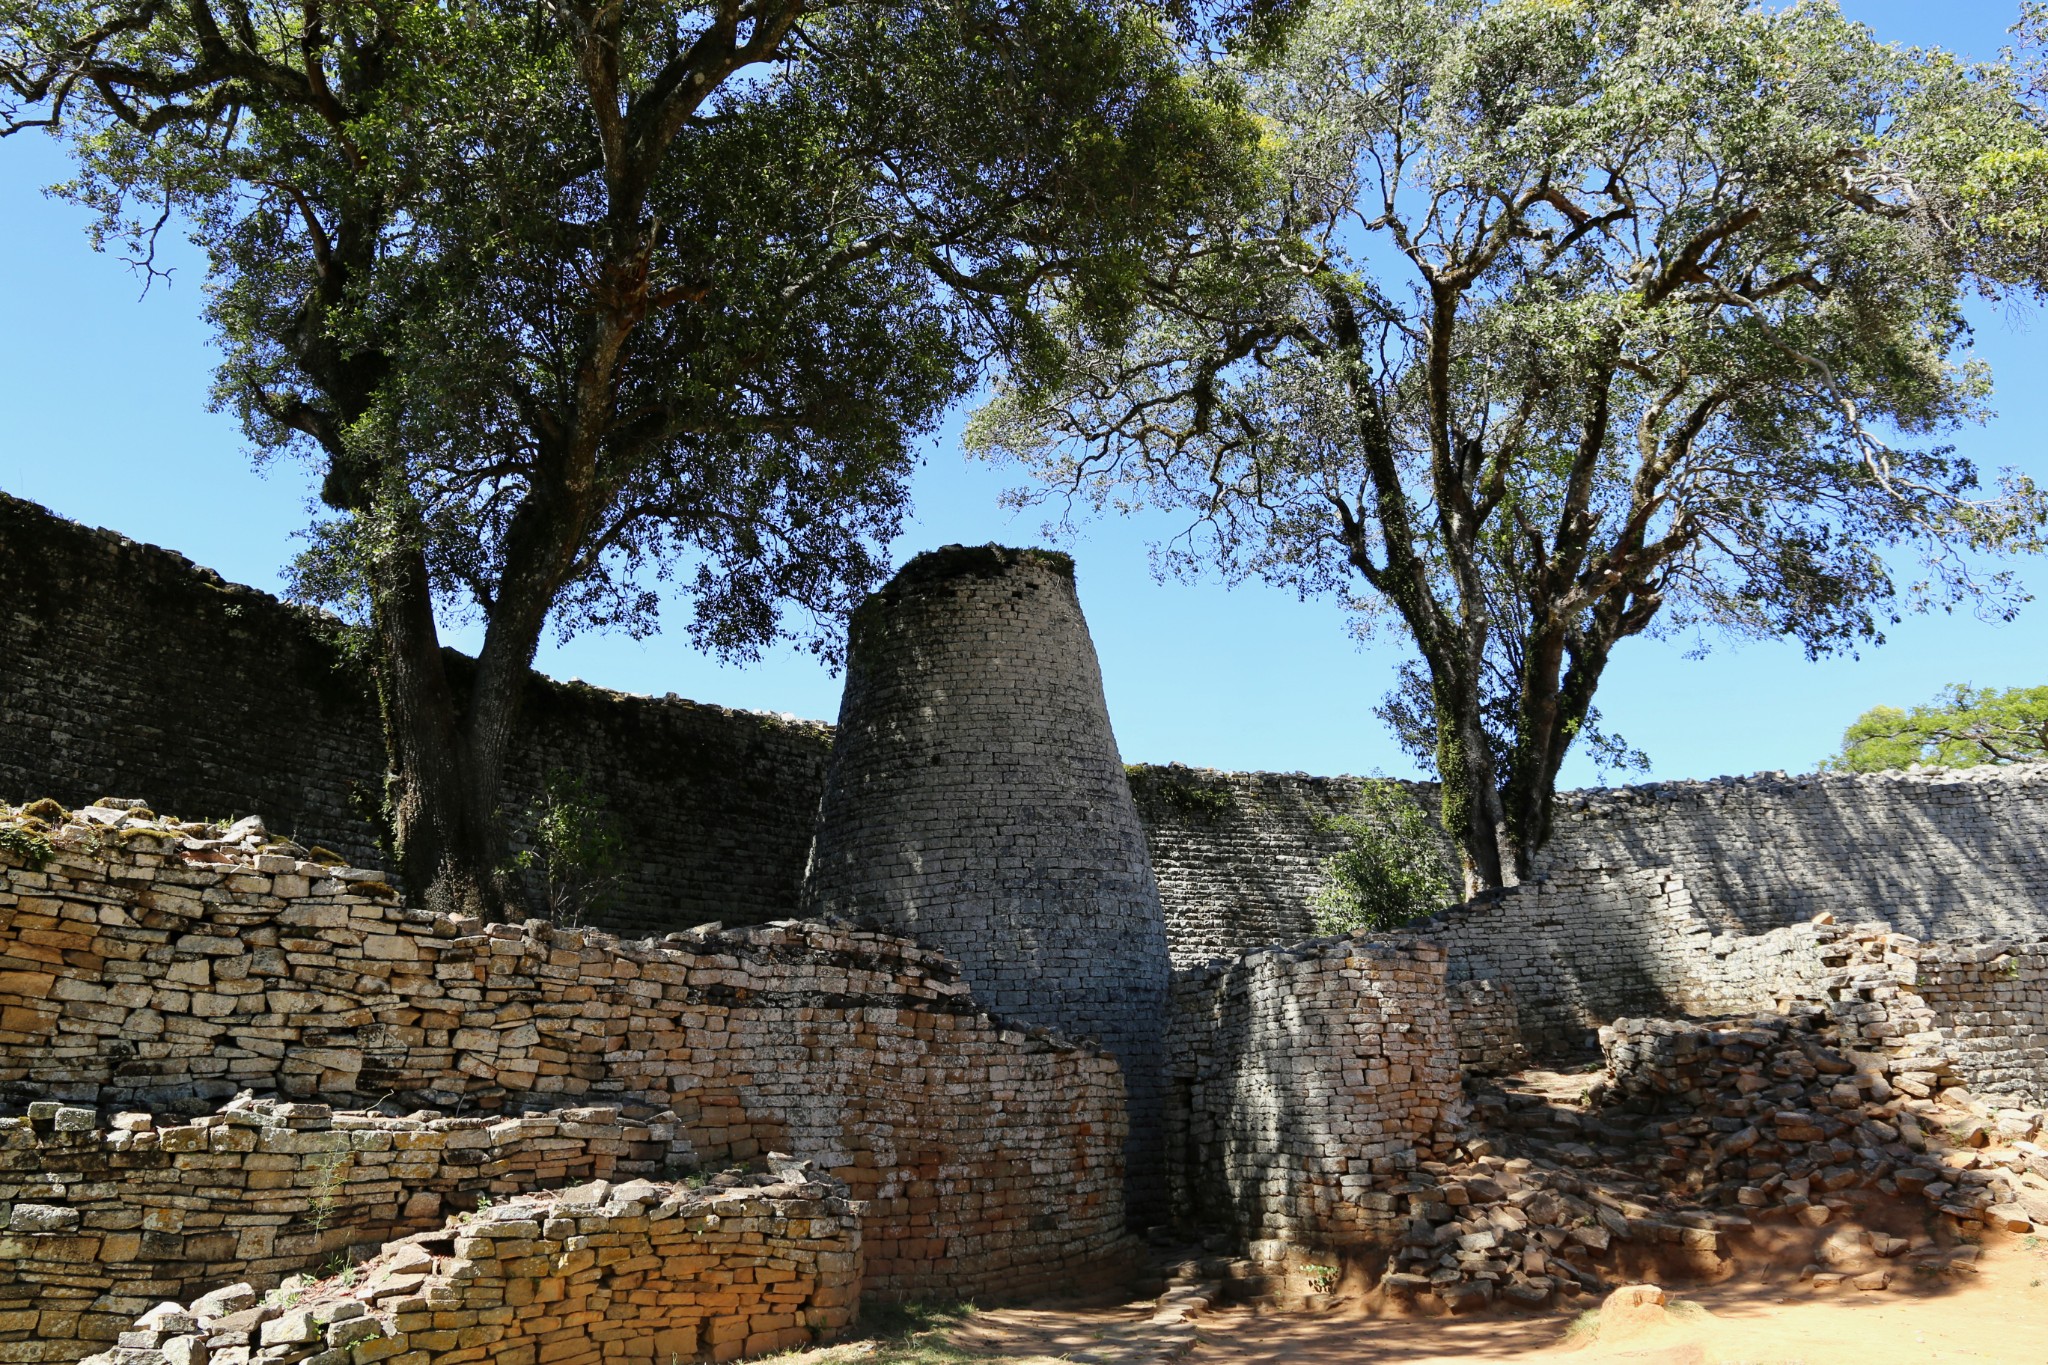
x=447, y=842
x=1470, y=803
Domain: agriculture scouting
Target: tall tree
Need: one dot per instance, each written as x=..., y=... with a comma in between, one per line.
x=562, y=297
x=1963, y=727
x=1560, y=321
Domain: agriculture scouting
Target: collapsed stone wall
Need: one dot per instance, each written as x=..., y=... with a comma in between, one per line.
x=104, y=1222
x=638, y=1271
x=149, y=967
x=1571, y=953
x=1305, y=1085
x=1950, y=854
x=125, y=668
x=976, y=802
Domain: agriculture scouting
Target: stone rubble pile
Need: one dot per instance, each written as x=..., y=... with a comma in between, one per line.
x=1698, y=1132
x=745, y=1265
x=1527, y=1231
x=1768, y=1115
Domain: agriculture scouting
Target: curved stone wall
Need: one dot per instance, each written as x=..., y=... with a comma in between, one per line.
x=975, y=802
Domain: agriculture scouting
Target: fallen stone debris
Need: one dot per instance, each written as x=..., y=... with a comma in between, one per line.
x=1695, y=1140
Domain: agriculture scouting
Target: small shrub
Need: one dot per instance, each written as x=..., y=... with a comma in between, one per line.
x=577, y=847
x=1392, y=873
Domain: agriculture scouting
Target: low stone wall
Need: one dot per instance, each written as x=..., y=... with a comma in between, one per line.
x=1304, y=1085
x=638, y=1271
x=102, y=1223
x=155, y=968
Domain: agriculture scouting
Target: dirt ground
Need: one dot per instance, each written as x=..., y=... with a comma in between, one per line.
x=1999, y=1314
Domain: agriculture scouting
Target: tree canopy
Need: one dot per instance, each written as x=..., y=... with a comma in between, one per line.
x=1562, y=322
x=1963, y=727
x=562, y=298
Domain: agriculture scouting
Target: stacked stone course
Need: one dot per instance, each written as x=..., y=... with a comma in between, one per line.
x=1575, y=950
x=1306, y=1084
x=161, y=968
x=637, y=1271
x=1941, y=854
x=102, y=1222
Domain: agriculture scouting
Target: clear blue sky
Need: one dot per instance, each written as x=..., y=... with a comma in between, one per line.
x=104, y=401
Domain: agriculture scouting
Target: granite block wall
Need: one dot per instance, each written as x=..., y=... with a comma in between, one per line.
x=126, y=669
x=146, y=966
x=602, y=1272
x=975, y=802
x=100, y=1220
x=1304, y=1086
x=1987, y=1005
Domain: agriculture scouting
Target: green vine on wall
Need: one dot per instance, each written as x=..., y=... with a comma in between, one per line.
x=1185, y=791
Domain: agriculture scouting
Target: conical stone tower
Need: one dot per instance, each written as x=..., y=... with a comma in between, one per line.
x=975, y=801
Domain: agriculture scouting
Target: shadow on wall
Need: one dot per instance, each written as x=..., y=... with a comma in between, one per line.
x=1940, y=854
x=1239, y=855
x=1937, y=854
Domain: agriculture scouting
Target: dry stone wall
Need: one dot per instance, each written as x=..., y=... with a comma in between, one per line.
x=149, y=967
x=1938, y=854
x=1989, y=1007
x=1578, y=949
x=125, y=668
x=602, y=1272
x=1305, y=1085
x=104, y=1219
x=976, y=803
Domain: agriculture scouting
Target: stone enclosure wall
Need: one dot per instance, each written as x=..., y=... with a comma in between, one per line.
x=1938, y=854
x=638, y=1271
x=126, y=669
x=1305, y=1084
x=147, y=968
